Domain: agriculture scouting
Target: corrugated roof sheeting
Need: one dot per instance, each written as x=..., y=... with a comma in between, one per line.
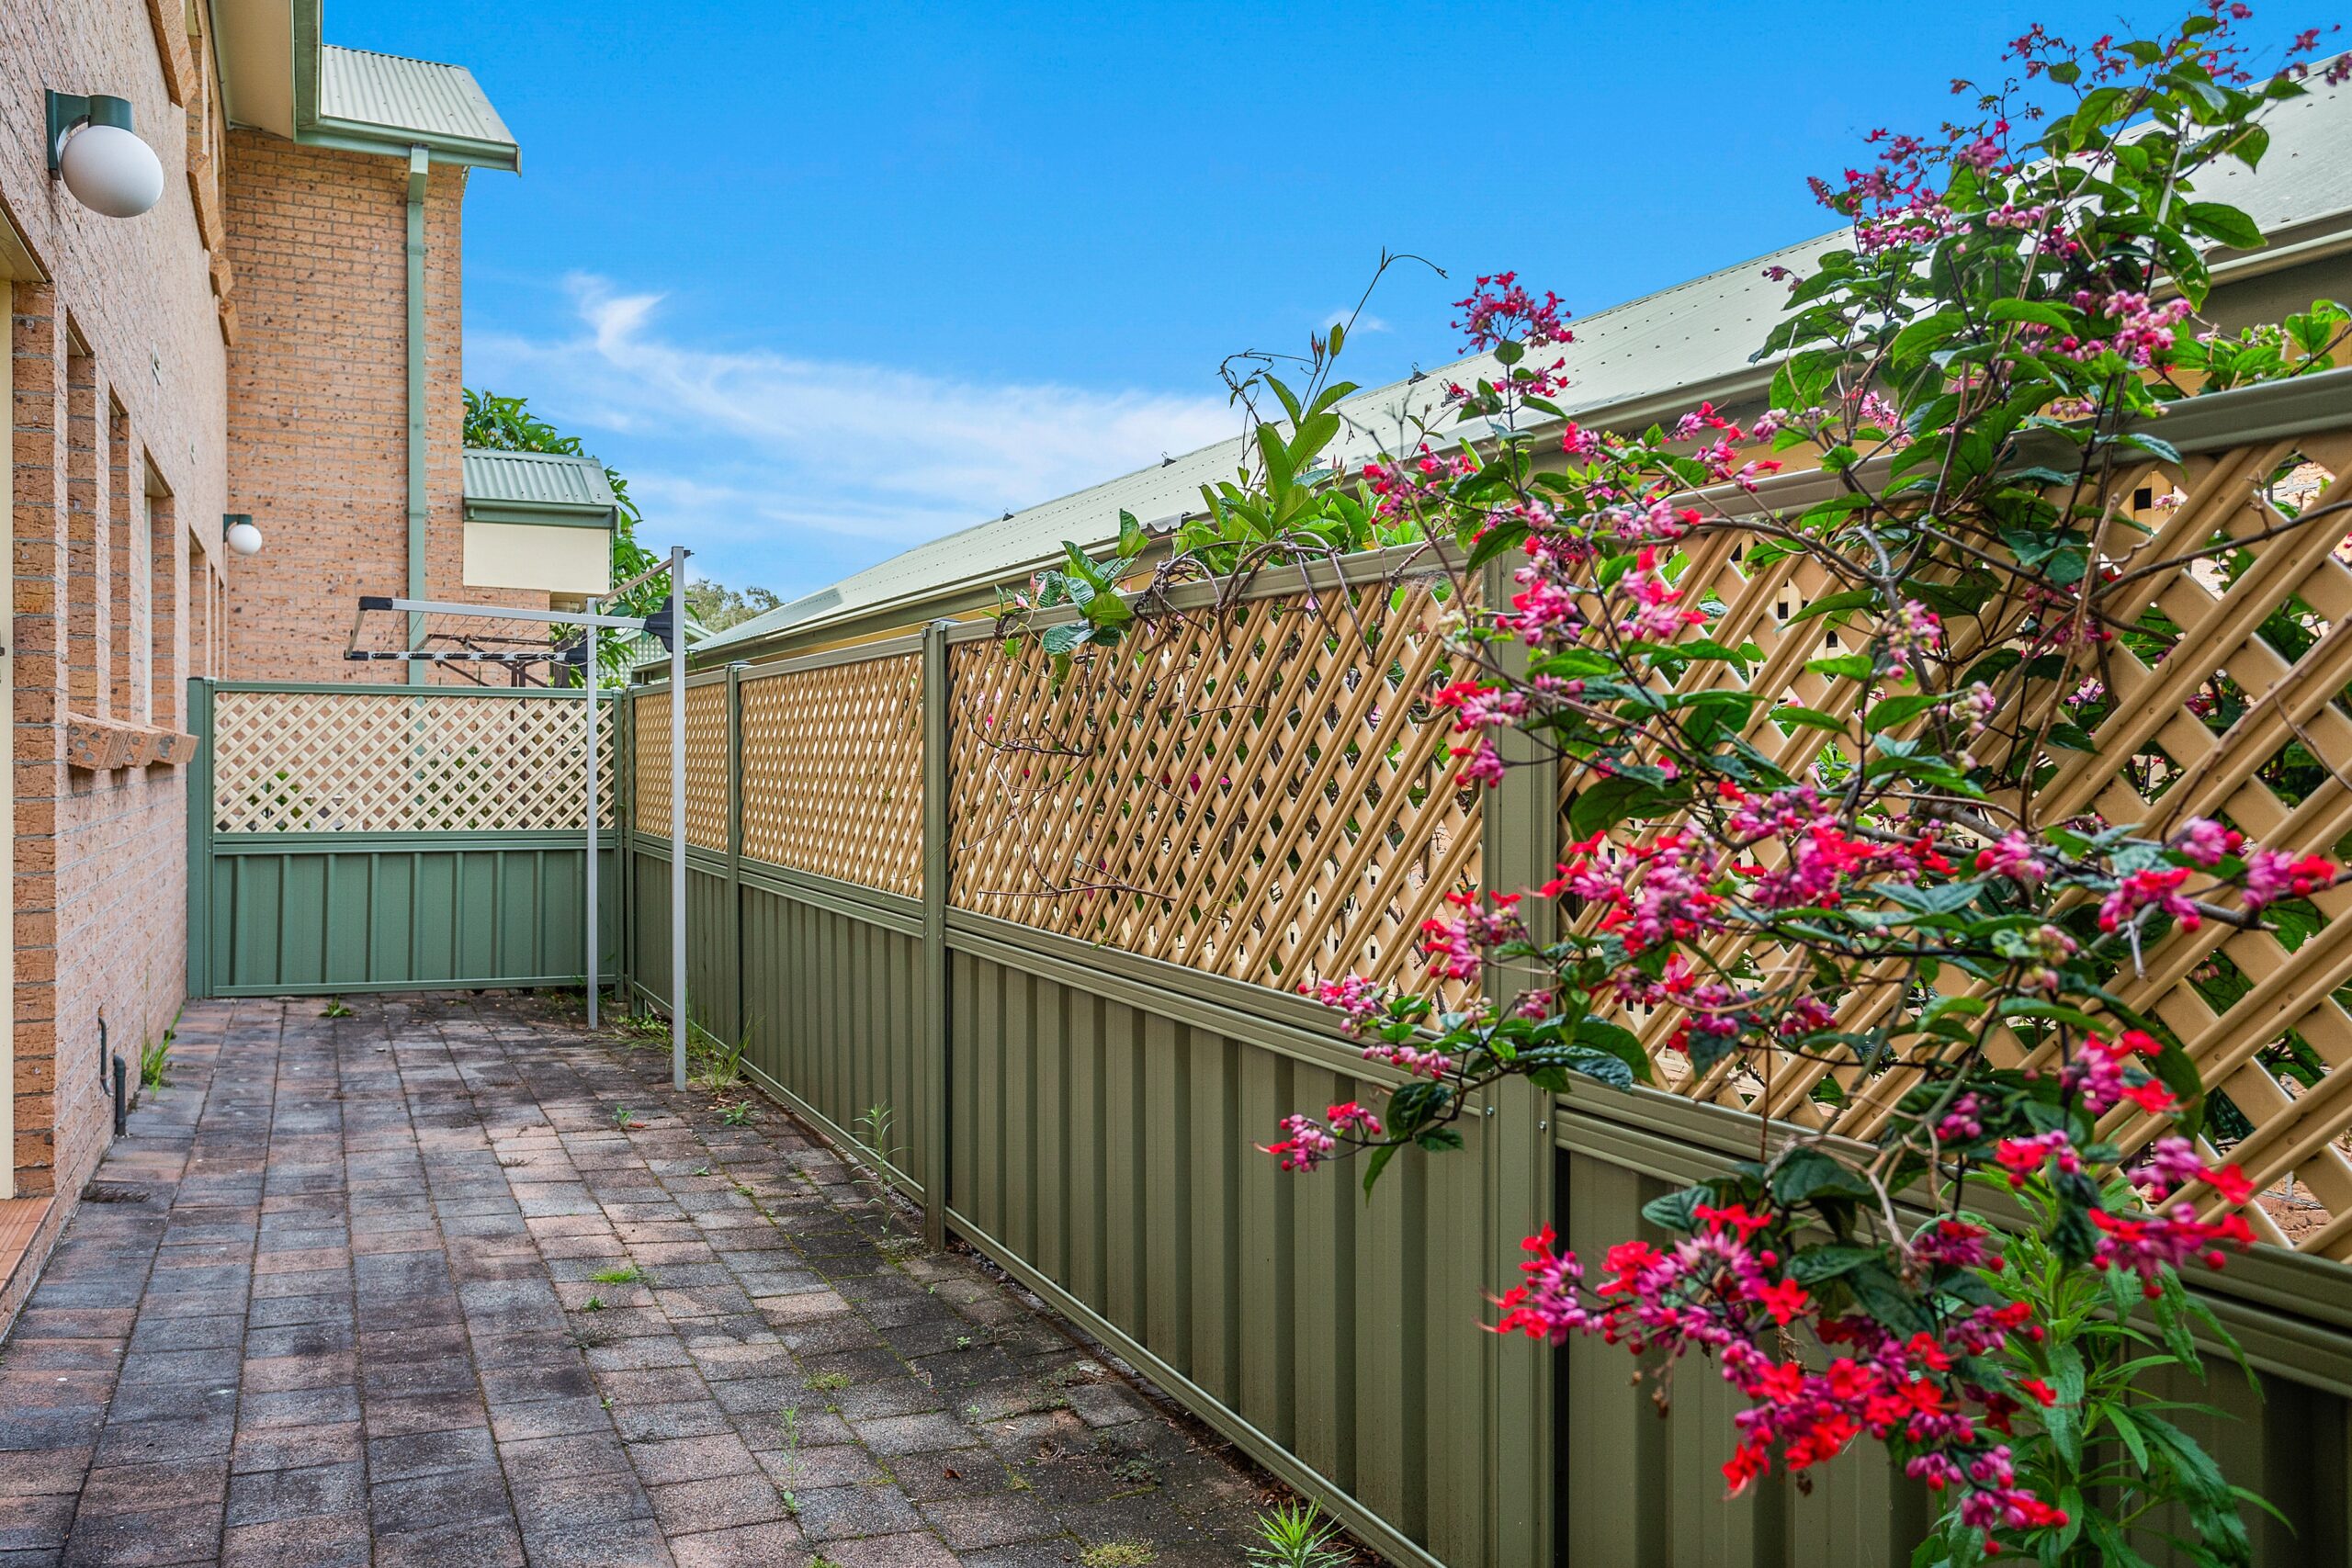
x=1695, y=336
x=536, y=479
x=396, y=93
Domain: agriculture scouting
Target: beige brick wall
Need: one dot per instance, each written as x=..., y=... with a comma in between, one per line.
x=119, y=372
x=318, y=400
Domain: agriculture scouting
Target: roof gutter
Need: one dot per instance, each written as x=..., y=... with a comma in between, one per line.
x=420, y=168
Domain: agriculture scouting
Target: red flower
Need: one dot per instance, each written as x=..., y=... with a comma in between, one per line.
x=1784, y=1299
x=2043, y=1393
x=2231, y=1181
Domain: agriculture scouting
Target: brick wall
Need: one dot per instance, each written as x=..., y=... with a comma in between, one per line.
x=118, y=370
x=318, y=399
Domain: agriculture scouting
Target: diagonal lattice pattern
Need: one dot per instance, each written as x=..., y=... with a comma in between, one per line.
x=2265, y=1015
x=706, y=768
x=386, y=761
x=832, y=771
x=1265, y=796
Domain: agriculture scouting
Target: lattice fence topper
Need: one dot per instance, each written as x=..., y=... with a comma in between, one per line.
x=391, y=761
x=706, y=764
x=2244, y=716
x=832, y=771
x=1267, y=794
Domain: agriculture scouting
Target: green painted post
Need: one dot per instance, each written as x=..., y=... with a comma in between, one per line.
x=935, y=867
x=734, y=948
x=1520, y=823
x=199, y=839
x=625, y=848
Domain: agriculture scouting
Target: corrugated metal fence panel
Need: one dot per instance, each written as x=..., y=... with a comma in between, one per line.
x=1107, y=1149
x=833, y=1006
x=1640, y=1489
x=372, y=915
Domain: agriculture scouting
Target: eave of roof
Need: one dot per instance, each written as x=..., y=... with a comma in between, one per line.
x=278, y=76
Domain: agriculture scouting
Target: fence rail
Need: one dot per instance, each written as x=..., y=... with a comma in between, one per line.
x=1047, y=936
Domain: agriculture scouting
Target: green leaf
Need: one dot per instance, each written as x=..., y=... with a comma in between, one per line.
x=1377, y=1162
x=1805, y=1175
x=1811, y=718
x=1836, y=605
x=1499, y=539
x=1924, y=335
x=2219, y=221
x=1677, y=1210
x=1895, y=710
x=2029, y=311
x=1061, y=640
x=1614, y=800
x=1816, y=1264
x=1600, y=1034
x=1133, y=540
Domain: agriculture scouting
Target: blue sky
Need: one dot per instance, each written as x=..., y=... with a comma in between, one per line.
x=825, y=281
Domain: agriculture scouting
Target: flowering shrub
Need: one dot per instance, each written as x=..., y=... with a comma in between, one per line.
x=1887, y=913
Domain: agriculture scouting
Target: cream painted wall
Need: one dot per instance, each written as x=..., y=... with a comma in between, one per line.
x=541, y=557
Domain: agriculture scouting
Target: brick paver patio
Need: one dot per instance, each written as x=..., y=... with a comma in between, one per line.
x=346, y=1307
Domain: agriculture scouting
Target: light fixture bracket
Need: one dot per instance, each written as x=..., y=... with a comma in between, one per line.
x=68, y=112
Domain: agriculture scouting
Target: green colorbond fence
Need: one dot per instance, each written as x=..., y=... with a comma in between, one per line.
x=303, y=910
x=1086, y=1118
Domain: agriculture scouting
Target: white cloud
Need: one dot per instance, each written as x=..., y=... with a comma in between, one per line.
x=803, y=469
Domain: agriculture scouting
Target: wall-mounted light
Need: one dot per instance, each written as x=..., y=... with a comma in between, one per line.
x=105, y=164
x=237, y=528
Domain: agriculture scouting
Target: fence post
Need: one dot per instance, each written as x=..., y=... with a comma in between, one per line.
x=624, y=846
x=199, y=839
x=734, y=948
x=1520, y=829
x=935, y=870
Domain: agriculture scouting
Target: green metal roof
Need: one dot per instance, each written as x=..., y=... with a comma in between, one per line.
x=372, y=102
x=537, y=487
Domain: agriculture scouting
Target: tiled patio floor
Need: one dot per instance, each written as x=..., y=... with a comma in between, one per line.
x=349, y=1314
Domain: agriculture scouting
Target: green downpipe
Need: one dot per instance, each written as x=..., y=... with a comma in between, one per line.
x=419, y=167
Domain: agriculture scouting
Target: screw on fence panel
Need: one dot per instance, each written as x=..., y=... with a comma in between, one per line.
x=935, y=867
x=1519, y=829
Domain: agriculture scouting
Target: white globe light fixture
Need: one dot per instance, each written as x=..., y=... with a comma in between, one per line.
x=242, y=536
x=103, y=161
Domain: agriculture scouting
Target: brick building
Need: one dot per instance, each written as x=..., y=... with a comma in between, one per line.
x=278, y=337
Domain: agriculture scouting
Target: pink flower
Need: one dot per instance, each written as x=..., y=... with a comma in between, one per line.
x=1307, y=1146
x=2205, y=842
x=2272, y=874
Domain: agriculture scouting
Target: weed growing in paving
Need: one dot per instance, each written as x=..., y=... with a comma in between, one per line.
x=155, y=1063
x=1296, y=1536
x=625, y=1119
x=334, y=1009
x=1119, y=1555
x=593, y=1303
x=742, y=1114
x=828, y=1381
x=628, y=1274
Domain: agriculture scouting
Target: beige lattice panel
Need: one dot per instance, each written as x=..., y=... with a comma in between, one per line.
x=832, y=771
x=1267, y=795
x=2160, y=761
x=381, y=762
x=706, y=764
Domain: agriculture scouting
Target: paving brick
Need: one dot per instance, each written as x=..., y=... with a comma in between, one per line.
x=431, y=1404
